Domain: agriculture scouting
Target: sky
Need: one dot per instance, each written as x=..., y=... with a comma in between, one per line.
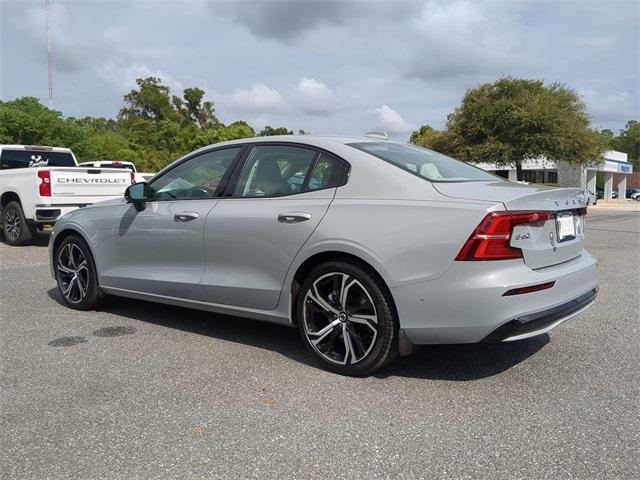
x=327, y=67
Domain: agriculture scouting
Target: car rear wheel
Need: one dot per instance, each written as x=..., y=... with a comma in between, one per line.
x=76, y=274
x=15, y=228
x=346, y=318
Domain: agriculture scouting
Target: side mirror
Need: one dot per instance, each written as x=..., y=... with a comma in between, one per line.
x=138, y=194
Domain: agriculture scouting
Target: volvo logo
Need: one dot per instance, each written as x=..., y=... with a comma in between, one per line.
x=553, y=243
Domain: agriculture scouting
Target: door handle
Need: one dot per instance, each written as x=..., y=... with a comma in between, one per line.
x=185, y=216
x=294, y=217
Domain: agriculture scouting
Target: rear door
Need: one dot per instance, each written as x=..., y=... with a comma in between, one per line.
x=280, y=195
x=159, y=250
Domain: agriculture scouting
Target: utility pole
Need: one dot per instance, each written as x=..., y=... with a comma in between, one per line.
x=46, y=14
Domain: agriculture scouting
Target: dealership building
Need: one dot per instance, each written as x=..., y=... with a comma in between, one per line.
x=615, y=168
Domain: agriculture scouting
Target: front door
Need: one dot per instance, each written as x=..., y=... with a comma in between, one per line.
x=159, y=250
x=253, y=235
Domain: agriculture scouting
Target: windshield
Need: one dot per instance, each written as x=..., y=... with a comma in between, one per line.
x=425, y=163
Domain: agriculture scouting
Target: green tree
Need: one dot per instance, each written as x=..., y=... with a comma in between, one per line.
x=152, y=129
x=26, y=121
x=268, y=131
x=427, y=136
x=512, y=119
x=193, y=109
x=628, y=141
x=151, y=101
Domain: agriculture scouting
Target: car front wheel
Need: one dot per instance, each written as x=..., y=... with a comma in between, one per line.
x=346, y=318
x=76, y=274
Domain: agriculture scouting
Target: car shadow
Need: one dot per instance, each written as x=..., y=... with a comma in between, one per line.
x=461, y=363
x=441, y=362
x=40, y=240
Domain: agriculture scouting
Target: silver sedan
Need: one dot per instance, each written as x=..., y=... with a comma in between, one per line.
x=368, y=247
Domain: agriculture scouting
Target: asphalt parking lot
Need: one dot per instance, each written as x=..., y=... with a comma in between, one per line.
x=139, y=390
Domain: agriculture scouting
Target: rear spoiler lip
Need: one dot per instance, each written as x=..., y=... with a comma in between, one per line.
x=518, y=196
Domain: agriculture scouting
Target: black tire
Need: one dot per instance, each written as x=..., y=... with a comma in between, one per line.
x=71, y=290
x=330, y=326
x=15, y=228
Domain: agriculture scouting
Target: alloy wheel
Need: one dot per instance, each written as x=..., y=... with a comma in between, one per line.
x=12, y=224
x=73, y=273
x=340, y=319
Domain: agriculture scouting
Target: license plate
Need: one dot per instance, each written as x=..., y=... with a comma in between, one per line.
x=566, y=226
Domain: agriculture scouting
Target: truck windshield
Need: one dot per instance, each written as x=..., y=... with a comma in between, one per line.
x=35, y=158
x=425, y=163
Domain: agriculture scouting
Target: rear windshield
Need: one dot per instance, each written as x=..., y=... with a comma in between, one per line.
x=425, y=163
x=34, y=159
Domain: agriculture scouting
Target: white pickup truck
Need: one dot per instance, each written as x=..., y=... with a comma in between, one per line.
x=40, y=184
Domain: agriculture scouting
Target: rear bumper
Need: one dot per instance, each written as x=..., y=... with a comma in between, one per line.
x=466, y=304
x=542, y=322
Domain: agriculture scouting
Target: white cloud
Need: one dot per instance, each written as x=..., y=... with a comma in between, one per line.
x=387, y=119
x=420, y=57
x=604, y=108
x=315, y=98
x=463, y=39
x=258, y=99
x=123, y=75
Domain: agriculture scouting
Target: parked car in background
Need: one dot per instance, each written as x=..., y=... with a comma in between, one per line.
x=600, y=194
x=632, y=192
x=40, y=184
x=135, y=176
x=381, y=246
x=591, y=197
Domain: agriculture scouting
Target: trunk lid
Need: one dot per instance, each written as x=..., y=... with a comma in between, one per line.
x=87, y=185
x=545, y=243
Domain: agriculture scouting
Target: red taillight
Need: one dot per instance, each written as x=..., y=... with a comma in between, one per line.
x=490, y=240
x=133, y=178
x=45, y=183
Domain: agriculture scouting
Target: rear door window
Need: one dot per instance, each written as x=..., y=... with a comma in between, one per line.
x=10, y=159
x=274, y=171
x=328, y=171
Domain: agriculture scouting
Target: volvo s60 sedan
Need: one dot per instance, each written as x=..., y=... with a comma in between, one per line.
x=367, y=246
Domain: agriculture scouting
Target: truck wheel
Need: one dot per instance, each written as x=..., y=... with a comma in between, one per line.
x=15, y=228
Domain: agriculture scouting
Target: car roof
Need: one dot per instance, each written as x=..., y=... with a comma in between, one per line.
x=321, y=141
x=317, y=140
